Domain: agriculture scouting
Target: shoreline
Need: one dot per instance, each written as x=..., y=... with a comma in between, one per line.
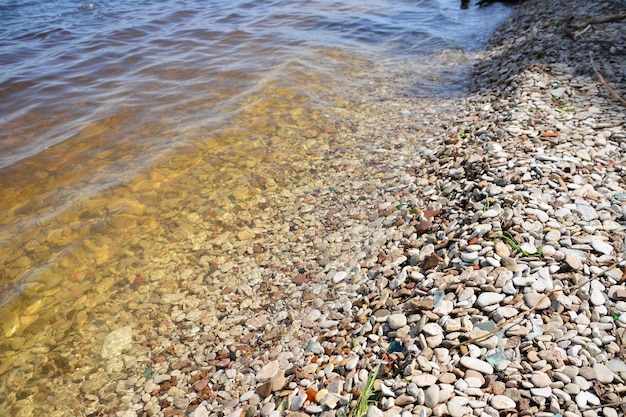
x=395, y=255
x=411, y=255
x=472, y=247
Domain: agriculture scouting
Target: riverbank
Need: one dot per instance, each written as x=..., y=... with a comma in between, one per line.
x=426, y=227
x=475, y=250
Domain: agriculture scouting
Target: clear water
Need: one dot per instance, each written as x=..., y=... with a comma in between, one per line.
x=116, y=116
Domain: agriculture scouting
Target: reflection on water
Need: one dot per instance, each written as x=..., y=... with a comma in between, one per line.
x=124, y=125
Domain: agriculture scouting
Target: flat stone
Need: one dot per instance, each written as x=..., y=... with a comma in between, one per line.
x=395, y=321
x=351, y=364
x=469, y=257
x=476, y=365
x=268, y=408
x=424, y=380
x=601, y=247
x=582, y=383
x=574, y=262
x=116, y=342
x=489, y=213
x=339, y=276
x=268, y=371
x=509, y=263
x=502, y=249
x=609, y=412
x=374, y=411
x=545, y=392
x=533, y=299
x=431, y=396
x=588, y=373
x=502, y=402
x=596, y=297
x=415, y=304
x=540, y=380
x=404, y=399
x=586, y=398
x=456, y=410
x=278, y=381
x=603, y=373
x=489, y=298
x=432, y=329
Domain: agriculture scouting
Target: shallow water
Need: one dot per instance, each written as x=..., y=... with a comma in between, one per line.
x=117, y=120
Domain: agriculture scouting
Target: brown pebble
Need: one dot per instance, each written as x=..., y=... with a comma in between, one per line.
x=416, y=303
x=509, y=263
x=432, y=261
x=532, y=356
x=447, y=378
x=201, y=384
x=498, y=387
x=554, y=357
x=264, y=390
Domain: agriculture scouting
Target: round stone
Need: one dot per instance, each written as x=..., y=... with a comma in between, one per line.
x=540, y=380
x=395, y=321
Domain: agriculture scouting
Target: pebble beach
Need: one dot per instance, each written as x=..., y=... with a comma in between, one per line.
x=461, y=257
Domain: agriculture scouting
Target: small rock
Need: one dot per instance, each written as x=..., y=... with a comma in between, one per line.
x=298, y=402
x=489, y=213
x=278, y=381
x=116, y=342
x=374, y=411
x=574, y=262
x=431, y=396
x=268, y=371
x=339, y=276
x=268, y=408
x=476, y=365
x=533, y=299
x=264, y=390
x=502, y=249
x=601, y=247
x=404, y=399
x=236, y=413
x=395, y=321
x=424, y=380
x=545, y=392
x=540, y=380
x=351, y=364
x=502, y=402
x=603, y=373
x=489, y=298
x=596, y=297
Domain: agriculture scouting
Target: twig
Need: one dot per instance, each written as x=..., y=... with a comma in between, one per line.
x=595, y=407
x=523, y=313
x=599, y=20
x=605, y=84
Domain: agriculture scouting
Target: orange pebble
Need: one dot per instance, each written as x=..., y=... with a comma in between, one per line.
x=310, y=394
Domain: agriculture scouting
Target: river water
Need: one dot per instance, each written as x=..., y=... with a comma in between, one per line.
x=115, y=116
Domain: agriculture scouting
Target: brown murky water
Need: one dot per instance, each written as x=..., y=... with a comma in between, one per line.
x=121, y=124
